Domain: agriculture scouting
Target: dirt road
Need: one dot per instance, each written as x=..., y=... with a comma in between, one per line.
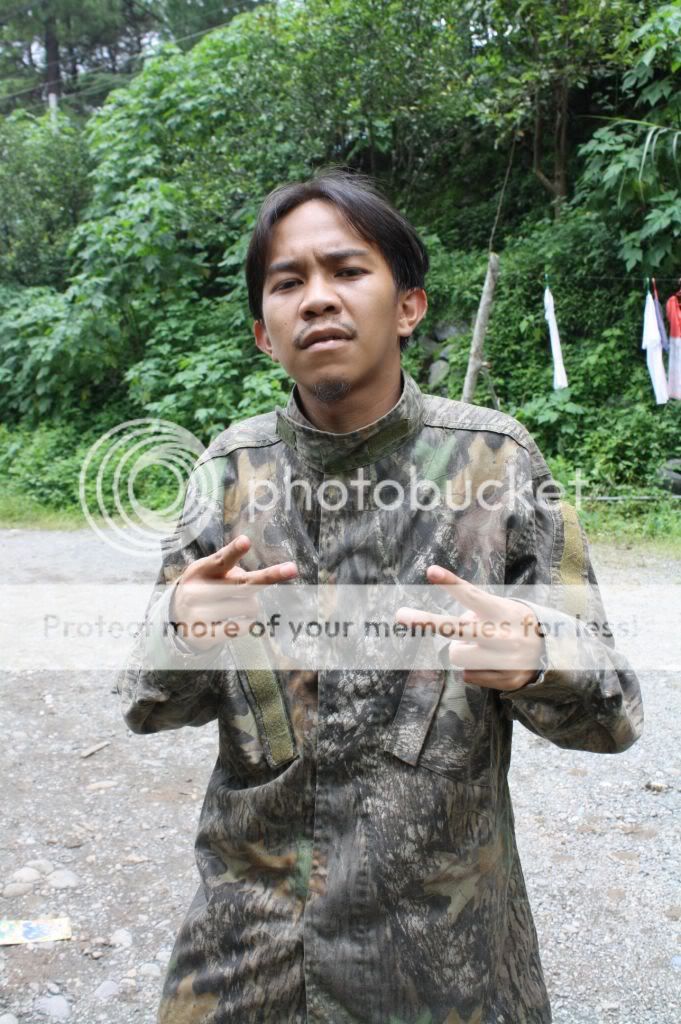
x=106, y=839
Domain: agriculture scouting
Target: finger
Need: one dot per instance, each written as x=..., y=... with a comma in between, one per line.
x=496, y=680
x=200, y=593
x=467, y=594
x=423, y=623
x=464, y=627
x=226, y=557
x=272, y=574
x=479, y=657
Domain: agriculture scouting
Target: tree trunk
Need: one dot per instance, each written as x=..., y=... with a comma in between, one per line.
x=475, y=359
x=556, y=186
x=560, y=146
x=52, y=70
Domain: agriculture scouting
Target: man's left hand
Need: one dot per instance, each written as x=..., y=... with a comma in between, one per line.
x=497, y=641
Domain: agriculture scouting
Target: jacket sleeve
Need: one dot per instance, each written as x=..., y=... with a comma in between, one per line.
x=165, y=684
x=587, y=697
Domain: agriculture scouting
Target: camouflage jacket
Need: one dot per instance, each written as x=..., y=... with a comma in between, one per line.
x=356, y=844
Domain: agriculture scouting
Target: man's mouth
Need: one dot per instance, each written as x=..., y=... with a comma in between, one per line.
x=324, y=338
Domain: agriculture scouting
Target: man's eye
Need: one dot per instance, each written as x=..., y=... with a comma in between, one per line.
x=351, y=270
x=282, y=285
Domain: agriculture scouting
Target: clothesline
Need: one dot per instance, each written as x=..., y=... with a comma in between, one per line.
x=666, y=384
x=642, y=281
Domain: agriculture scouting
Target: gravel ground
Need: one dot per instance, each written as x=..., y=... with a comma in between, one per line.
x=106, y=840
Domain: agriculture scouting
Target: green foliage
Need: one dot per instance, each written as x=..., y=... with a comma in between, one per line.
x=204, y=390
x=44, y=189
x=122, y=245
x=632, y=173
x=44, y=463
x=606, y=422
x=54, y=355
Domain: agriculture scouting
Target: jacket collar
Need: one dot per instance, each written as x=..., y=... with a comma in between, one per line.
x=334, y=453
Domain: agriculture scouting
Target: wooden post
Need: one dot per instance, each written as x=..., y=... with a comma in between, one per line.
x=475, y=359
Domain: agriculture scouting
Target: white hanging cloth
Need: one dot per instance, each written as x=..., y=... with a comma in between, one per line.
x=652, y=343
x=559, y=375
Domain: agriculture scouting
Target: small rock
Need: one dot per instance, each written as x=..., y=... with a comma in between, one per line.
x=54, y=1007
x=17, y=889
x=25, y=875
x=676, y=963
x=8, y=1018
x=107, y=990
x=45, y=867
x=150, y=970
x=63, y=879
x=121, y=937
x=656, y=787
x=53, y=987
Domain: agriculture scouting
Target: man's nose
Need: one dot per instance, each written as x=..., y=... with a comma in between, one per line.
x=319, y=298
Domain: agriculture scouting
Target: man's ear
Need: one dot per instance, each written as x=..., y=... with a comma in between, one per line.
x=413, y=306
x=262, y=339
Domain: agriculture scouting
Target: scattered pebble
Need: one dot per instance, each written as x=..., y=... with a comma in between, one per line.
x=8, y=1018
x=63, y=879
x=107, y=990
x=17, y=889
x=150, y=970
x=54, y=1007
x=121, y=937
x=25, y=875
x=45, y=867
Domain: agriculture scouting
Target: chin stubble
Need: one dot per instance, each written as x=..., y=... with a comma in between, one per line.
x=331, y=389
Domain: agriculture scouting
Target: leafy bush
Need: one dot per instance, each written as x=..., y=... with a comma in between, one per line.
x=54, y=355
x=631, y=164
x=44, y=187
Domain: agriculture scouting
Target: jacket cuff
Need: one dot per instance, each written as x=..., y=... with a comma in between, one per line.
x=165, y=649
x=569, y=655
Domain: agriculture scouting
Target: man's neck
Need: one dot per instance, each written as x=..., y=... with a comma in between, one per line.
x=361, y=405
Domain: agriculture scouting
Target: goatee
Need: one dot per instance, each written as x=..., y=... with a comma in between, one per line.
x=331, y=389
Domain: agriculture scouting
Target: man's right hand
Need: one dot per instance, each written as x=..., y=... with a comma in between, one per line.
x=215, y=598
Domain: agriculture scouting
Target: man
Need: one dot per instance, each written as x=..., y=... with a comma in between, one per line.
x=356, y=846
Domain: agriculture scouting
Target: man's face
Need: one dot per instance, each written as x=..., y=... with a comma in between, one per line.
x=332, y=315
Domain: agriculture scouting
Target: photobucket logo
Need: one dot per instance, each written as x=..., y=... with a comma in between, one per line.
x=124, y=469
x=417, y=494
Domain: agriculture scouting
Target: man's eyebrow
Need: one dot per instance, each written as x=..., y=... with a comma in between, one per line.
x=334, y=256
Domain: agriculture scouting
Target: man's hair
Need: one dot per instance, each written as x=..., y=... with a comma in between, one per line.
x=364, y=208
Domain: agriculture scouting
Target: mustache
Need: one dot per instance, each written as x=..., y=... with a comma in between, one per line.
x=348, y=329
